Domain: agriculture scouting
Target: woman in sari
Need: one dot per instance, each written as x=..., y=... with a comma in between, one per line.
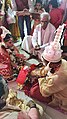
x=10, y=58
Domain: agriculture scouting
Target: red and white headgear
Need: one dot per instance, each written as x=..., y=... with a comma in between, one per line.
x=53, y=52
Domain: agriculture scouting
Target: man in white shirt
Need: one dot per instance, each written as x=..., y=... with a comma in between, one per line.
x=42, y=36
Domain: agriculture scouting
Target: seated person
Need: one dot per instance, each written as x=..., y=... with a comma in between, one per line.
x=52, y=87
x=55, y=82
x=27, y=81
x=11, y=60
x=33, y=113
x=43, y=35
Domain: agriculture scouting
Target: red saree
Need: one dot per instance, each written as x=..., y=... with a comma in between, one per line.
x=5, y=63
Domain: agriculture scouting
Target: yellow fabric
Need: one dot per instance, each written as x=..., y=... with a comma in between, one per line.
x=56, y=85
x=2, y=9
x=14, y=29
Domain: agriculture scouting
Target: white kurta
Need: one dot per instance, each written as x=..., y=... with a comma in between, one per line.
x=39, y=38
x=48, y=35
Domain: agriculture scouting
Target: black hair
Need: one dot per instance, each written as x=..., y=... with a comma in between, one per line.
x=54, y=3
x=56, y=64
x=1, y=31
x=0, y=5
x=38, y=1
x=7, y=37
x=1, y=89
x=1, y=77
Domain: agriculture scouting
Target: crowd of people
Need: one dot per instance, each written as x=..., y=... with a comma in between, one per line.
x=46, y=40
x=14, y=13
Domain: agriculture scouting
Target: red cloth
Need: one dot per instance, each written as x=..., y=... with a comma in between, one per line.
x=35, y=93
x=5, y=63
x=56, y=15
x=31, y=88
x=32, y=67
x=22, y=76
x=20, y=56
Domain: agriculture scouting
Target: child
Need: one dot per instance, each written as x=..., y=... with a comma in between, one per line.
x=36, y=15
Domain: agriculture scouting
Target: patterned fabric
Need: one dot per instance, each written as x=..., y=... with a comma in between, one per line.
x=5, y=64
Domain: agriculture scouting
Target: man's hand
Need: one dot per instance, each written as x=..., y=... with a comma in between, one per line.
x=26, y=11
x=20, y=13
